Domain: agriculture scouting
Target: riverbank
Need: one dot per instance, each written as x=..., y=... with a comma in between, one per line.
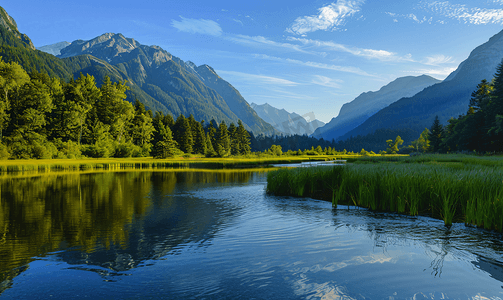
x=453, y=188
x=58, y=165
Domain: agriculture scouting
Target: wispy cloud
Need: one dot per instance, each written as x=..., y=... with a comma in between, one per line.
x=329, y=17
x=438, y=59
x=201, y=26
x=411, y=16
x=260, y=41
x=353, y=70
x=326, y=81
x=260, y=78
x=440, y=73
x=464, y=14
x=368, y=53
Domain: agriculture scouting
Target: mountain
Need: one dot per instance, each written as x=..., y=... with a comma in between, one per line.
x=447, y=99
x=180, y=87
x=10, y=25
x=285, y=122
x=365, y=105
x=54, y=49
x=161, y=81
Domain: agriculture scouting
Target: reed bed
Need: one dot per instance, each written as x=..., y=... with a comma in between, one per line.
x=468, y=192
x=59, y=165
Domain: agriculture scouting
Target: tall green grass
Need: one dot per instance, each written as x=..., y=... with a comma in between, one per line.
x=470, y=193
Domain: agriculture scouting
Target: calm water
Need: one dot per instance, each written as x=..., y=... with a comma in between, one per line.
x=217, y=235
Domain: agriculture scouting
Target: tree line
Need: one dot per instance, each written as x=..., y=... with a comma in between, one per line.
x=46, y=117
x=479, y=130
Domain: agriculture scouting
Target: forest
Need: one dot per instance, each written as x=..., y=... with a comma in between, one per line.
x=480, y=130
x=46, y=117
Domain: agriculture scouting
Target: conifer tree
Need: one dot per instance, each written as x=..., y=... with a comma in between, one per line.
x=435, y=136
x=234, y=139
x=166, y=147
x=183, y=134
x=223, y=143
x=243, y=139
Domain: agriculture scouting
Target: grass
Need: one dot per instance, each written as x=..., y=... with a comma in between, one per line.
x=116, y=164
x=451, y=188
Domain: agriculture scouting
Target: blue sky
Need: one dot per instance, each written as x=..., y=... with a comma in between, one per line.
x=304, y=56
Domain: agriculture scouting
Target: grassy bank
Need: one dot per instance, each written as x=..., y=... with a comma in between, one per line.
x=451, y=188
x=57, y=165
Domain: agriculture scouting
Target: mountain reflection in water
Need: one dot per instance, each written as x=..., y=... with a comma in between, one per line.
x=217, y=235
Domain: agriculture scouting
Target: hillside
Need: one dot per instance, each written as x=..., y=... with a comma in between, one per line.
x=447, y=99
x=365, y=105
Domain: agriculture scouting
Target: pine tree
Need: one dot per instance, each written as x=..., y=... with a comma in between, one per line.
x=166, y=147
x=223, y=143
x=234, y=139
x=243, y=139
x=183, y=134
x=435, y=136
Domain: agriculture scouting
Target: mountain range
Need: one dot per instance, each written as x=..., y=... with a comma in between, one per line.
x=447, y=99
x=356, y=112
x=161, y=81
x=285, y=122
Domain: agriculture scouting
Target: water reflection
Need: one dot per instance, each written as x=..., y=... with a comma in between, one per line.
x=217, y=235
x=104, y=219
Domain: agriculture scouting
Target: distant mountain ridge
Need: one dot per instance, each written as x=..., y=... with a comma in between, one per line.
x=446, y=99
x=285, y=122
x=54, y=49
x=354, y=113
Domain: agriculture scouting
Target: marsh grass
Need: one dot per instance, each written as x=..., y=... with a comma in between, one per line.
x=59, y=165
x=454, y=191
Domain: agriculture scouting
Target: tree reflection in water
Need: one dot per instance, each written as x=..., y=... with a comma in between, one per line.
x=104, y=216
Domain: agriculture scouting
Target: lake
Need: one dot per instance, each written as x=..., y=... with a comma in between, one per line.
x=218, y=235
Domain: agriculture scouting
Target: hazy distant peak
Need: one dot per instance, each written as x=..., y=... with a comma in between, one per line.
x=54, y=49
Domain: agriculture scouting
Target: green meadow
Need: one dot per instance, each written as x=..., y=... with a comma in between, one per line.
x=453, y=188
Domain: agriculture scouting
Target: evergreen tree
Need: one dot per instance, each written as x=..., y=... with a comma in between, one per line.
x=243, y=139
x=183, y=134
x=223, y=143
x=142, y=129
x=436, y=135
x=166, y=147
x=234, y=139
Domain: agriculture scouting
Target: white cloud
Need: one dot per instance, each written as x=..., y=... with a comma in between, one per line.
x=201, y=26
x=238, y=21
x=438, y=59
x=353, y=70
x=260, y=41
x=440, y=73
x=260, y=78
x=326, y=81
x=464, y=14
x=412, y=17
x=330, y=17
x=368, y=53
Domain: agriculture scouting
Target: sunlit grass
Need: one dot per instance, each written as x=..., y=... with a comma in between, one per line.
x=117, y=164
x=454, y=189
